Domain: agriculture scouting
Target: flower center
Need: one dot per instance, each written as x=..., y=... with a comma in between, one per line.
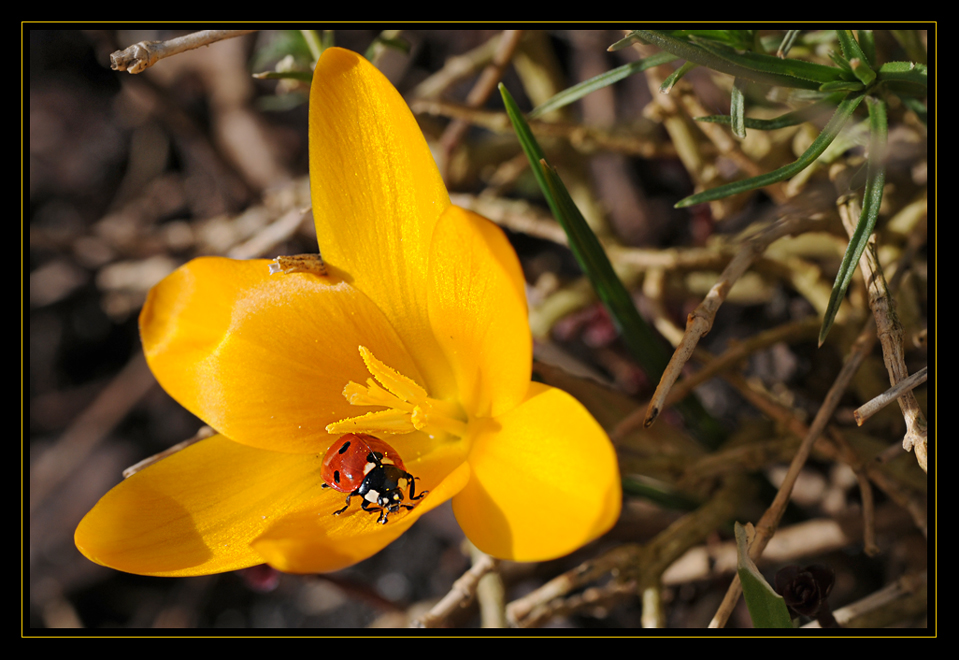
x=408, y=406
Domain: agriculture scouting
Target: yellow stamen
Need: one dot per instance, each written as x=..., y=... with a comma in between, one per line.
x=409, y=406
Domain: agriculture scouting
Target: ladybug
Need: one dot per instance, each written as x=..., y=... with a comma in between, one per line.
x=365, y=466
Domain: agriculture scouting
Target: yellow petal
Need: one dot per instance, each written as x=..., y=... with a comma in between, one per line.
x=477, y=306
x=263, y=358
x=197, y=511
x=306, y=543
x=376, y=196
x=545, y=480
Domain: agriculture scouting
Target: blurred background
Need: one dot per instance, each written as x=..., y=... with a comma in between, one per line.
x=130, y=176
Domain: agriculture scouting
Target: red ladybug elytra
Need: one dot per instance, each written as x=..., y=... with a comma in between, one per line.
x=365, y=466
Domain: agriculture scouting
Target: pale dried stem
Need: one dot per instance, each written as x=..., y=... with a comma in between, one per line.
x=868, y=513
x=140, y=56
x=202, y=434
x=490, y=593
x=583, y=139
x=457, y=68
x=715, y=365
x=870, y=408
x=682, y=134
x=889, y=330
x=840, y=450
x=537, y=606
x=643, y=566
x=791, y=544
x=766, y=526
x=460, y=594
x=266, y=240
x=905, y=599
x=505, y=47
x=515, y=216
x=700, y=321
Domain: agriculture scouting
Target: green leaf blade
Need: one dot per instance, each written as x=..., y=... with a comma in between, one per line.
x=766, y=608
x=737, y=109
x=696, y=53
x=776, y=66
x=606, y=79
x=872, y=200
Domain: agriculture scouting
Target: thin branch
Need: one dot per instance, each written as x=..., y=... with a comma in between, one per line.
x=795, y=331
x=867, y=410
x=141, y=56
x=202, y=434
x=481, y=91
x=457, y=68
x=889, y=330
x=583, y=139
x=700, y=321
x=766, y=526
x=460, y=594
x=904, y=599
x=641, y=567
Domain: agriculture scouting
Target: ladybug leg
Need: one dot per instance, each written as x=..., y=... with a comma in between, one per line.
x=366, y=507
x=413, y=496
x=336, y=513
x=383, y=512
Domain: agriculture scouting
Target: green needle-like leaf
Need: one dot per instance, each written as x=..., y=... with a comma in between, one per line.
x=856, y=57
x=808, y=113
x=699, y=55
x=829, y=133
x=904, y=78
x=766, y=608
x=580, y=90
x=768, y=64
x=872, y=199
x=865, y=74
x=787, y=43
x=674, y=77
x=737, y=109
x=841, y=86
x=625, y=42
x=850, y=47
x=867, y=42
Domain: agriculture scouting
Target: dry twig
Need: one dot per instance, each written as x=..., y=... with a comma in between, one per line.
x=584, y=139
x=142, y=55
x=889, y=330
x=905, y=598
x=870, y=408
x=641, y=566
x=485, y=86
x=766, y=526
x=460, y=594
x=700, y=321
